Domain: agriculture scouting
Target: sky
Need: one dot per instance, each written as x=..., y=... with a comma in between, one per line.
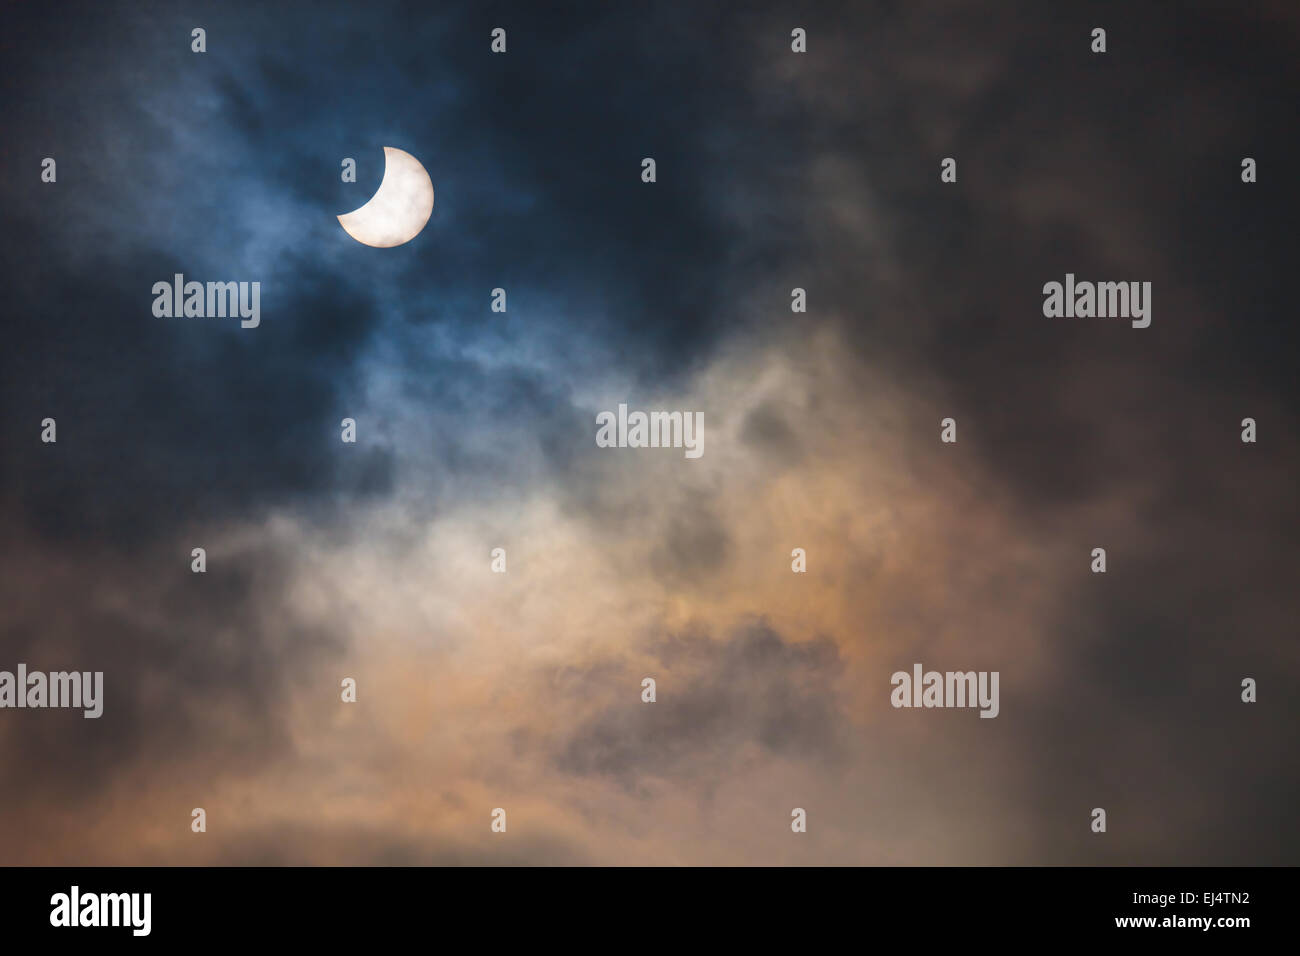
x=522, y=690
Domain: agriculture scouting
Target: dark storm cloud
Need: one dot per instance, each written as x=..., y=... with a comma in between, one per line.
x=167, y=430
x=163, y=421
x=714, y=699
x=1125, y=166
x=1196, y=598
x=192, y=668
x=767, y=428
x=695, y=543
x=1122, y=166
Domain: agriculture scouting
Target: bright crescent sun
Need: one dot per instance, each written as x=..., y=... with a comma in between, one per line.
x=400, y=207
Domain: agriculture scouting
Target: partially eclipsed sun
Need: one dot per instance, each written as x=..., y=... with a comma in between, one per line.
x=400, y=207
